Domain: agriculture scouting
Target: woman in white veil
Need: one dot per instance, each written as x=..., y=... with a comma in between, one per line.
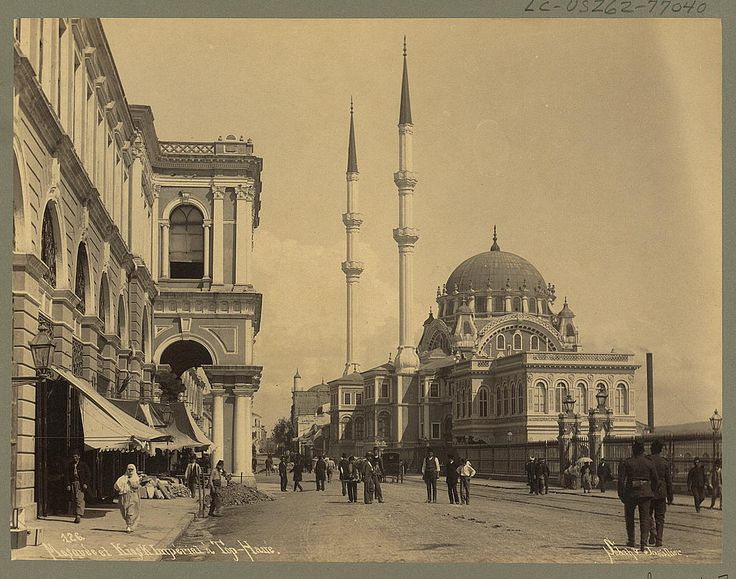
x=128, y=497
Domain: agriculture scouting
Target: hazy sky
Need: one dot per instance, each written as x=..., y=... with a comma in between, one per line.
x=595, y=146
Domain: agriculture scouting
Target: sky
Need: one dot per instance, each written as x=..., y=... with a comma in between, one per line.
x=593, y=145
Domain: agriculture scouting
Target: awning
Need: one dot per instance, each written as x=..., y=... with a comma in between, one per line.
x=182, y=429
x=105, y=426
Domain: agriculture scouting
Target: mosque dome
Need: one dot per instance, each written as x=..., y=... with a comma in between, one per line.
x=495, y=268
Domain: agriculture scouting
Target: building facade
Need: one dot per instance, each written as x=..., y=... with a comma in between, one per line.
x=130, y=252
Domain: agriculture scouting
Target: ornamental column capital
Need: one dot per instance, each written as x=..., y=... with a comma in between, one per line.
x=245, y=193
x=218, y=192
x=405, y=180
x=406, y=236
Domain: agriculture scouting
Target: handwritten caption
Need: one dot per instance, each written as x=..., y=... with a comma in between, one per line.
x=616, y=553
x=241, y=550
x=619, y=7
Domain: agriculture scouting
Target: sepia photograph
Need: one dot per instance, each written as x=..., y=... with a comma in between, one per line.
x=419, y=290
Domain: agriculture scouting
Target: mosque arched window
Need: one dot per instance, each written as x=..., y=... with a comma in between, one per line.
x=347, y=429
x=498, y=304
x=520, y=399
x=359, y=428
x=532, y=305
x=499, y=402
x=384, y=426
x=480, y=304
x=582, y=399
x=483, y=402
x=516, y=304
x=122, y=328
x=534, y=343
x=81, y=283
x=517, y=341
x=457, y=404
x=621, y=399
x=500, y=343
x=186, y=243
x=464, y=403
x=540, y=398
x=104, y=304
x=506, y=401
x=48, y=247
x=513, y=399
x=560, y=395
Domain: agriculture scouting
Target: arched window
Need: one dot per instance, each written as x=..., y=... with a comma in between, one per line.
x=483, y=402
x=582, y=398
x=506, y=401
x=622, y=399
x=359, y=428
x=498, y=304
x=122, y=329
x=499, y=401
x=145, y=342
x=104, y=304
x=81, y=284
x=517, y=341
x=48, y=246
x=520, y=399
x=464, y=403
x=384, y=426
x=516, y=304
x=513, y=399
x=186, y=243
x=532, y=305
x=347, y=429
x=534, y=343
x=480, y=304
x=500, y=343
x=560, y=395
x=457, y=404
x=540, y=398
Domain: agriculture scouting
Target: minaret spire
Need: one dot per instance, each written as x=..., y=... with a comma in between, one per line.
x=405, y=109
x=495, y=246
x=351, y=267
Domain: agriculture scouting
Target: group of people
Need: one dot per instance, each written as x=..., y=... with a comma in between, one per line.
x=457, y=471
x=537, y=475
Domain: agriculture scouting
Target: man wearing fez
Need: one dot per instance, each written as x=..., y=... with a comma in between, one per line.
x=636, y=479
x=662, y=494
x=77, y=480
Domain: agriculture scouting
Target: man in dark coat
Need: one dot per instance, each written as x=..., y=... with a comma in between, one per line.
x=377, y=478
x=77, y=478
x=320, y=473
x=297, y=469
x=543, y=476
x=451, y=476
x=283, y=473
x=604, y=474
x=662, y=494
x=342, y=467
x=696, y=483
x=636, y=479
x=531, y=475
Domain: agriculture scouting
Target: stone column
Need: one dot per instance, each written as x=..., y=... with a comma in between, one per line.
x=218, y=201
x=207, y=259
x=243, y=232
x=242, y=437
x=155, y=258
x=165, y=250
x=218, y=424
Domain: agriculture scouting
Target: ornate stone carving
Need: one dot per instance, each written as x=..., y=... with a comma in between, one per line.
x=406, y=236
x=245, y=192
x=405, y=180
x=218, y=192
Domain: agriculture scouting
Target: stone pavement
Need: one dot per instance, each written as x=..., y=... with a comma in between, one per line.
x=101, y=533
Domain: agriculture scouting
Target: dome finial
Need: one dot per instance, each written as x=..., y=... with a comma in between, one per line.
x=404, y=44
x=495, y=246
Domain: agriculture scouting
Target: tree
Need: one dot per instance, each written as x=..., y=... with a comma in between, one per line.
x=283, y=432
x=171, y=385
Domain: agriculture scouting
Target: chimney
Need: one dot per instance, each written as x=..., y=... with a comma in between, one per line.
x=650, y=392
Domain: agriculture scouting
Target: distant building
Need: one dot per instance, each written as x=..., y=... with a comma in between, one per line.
x=309, y=413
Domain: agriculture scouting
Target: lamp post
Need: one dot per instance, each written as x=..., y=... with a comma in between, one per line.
x=42, y=350
x=509, y=434
x=715, y=424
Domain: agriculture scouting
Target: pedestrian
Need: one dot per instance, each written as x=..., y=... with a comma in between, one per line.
x=352, y=476
x=283, y=473
x=696, y=483
x=716, y=482
x=342, y=468
x=330, y=468
x=662, y=494
x=531, y=475
x=269, y=465
x=77, y=480
x=586, y=478
x=367, y=475
x=377, y=477
x=215, y=484
x=543, y=478
x=402, y=471
x=451, y=477
x=636, y=479
x=254, y=463
x=430, y=474
x=192, y=476
x=320, y=473
x=466, y=472
x=297, y=469
x=128, y=498
x=604, y=475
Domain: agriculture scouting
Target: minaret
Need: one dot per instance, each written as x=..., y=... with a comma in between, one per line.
x=297, y=381
x=351, y=267
x=405, y=235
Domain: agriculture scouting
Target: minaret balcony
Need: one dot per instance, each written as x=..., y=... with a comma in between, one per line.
x=352, y=268
x=405, y=179
x=406, y=236
x=352, y=220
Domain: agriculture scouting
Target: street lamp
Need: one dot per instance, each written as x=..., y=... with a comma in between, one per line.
x=601, y=396
x=715, y=424
x=568, y=403
x=42, y=350
x=509, y=434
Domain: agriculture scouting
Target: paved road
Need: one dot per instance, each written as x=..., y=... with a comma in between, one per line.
x=500, y=525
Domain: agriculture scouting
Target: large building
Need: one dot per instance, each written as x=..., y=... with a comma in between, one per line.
x=496, y=364
x=132, y=254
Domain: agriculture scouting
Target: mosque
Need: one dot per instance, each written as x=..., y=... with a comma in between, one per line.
x=496, y=364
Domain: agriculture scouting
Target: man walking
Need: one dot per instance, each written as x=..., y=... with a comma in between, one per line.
x=342, y=467
x=269, y=465
x=543, y=476
x=696, y=483
x=604, y=474
x=77, y=480
x=192, y=476
x=377, y=477
x=352, y=476
x=283, y=473
x=330, y=468
x=367, y=479
x=320, y=473
x=466, y=472
x=430, y=474
x=636, y=479
x=215, y=484
x=716, y=482
x=662, y=494
x=531, y=475
x=451, y=476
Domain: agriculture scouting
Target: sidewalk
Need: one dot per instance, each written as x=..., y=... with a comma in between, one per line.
x=101, y=533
